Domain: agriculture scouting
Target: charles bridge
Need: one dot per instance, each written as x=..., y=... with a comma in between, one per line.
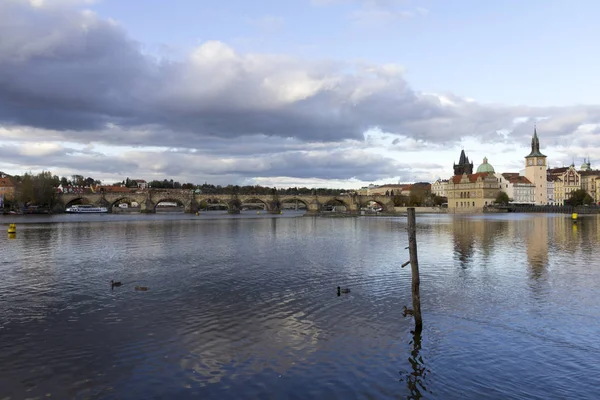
x=190, y=201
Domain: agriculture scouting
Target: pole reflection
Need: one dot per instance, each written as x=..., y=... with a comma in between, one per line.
x=415, y=377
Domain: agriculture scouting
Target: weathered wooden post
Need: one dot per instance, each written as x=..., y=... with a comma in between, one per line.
x=414, y=264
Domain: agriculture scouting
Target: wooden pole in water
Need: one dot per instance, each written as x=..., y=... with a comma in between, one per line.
x=414, y=264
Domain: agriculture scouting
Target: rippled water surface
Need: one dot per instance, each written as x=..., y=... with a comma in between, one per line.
x=247, y=308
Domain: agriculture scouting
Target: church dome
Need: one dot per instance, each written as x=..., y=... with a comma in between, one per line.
x=586, y=166
x=485, y=167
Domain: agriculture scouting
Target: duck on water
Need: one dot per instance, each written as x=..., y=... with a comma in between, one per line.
x=340, y=290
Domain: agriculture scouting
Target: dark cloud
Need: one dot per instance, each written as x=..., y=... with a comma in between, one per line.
x=65, y=158
x=70, y=70
x=67, y=75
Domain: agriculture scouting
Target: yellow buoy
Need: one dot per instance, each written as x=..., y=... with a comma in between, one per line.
x=574, y=217
x=12, y=235
x=12, y=228
x=258, y=212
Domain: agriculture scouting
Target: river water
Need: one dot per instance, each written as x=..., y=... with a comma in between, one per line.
x=246, y=307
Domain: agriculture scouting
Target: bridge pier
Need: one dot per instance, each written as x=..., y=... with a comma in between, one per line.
x=314, y=207
x=147, y=207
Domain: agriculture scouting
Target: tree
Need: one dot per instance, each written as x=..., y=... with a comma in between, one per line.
x=38, y=189
x=26, y=192
x=400, y=200
x=44, y=185
x=502, y=198
x=579, y=197
x=78, y=180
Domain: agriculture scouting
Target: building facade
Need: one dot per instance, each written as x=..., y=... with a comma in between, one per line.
x=472, y=192
x=517, y=187
x=568, y=180
x=440, y=188
x=551, y=180
x=536, y=170
x=588, y=181
x=8, y=187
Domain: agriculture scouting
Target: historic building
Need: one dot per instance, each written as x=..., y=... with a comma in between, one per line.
x=567, y=180
x=517, y=187
x=536, y=170
x=589, y=179
x=440, y=188
x=468, y=192
x=8, y=187
x=551, y=182
x=463, y=166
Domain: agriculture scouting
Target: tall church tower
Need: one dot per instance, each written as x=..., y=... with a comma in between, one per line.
x=535, y=170
x=463, y=166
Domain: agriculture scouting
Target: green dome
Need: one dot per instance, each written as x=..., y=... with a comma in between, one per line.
x=485, y=167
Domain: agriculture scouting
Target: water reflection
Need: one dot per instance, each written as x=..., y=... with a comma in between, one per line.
x=415, y=377
x=247, y=305
x=537, y=245
x=464, y=241
x=472, y=235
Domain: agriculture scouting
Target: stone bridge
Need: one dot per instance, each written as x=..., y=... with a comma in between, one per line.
x=190, y=201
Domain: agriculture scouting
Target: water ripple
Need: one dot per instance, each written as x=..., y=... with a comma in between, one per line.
x=249, y=306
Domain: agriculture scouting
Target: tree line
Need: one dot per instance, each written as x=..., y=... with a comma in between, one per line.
x=40, y=190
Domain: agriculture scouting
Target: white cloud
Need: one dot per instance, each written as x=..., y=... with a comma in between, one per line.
x=76, y=92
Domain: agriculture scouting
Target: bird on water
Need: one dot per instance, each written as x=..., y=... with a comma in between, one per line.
x=113, y=283
x=141, y=288
x=345, y=290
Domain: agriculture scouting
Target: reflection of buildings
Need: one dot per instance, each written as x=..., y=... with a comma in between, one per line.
x=464, y=240
x=537, y=244
x=472, y=235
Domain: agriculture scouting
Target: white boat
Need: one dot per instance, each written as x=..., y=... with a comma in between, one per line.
x=86, y=208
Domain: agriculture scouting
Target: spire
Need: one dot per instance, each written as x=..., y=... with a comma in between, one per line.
x=535, y=145
x=463, y=158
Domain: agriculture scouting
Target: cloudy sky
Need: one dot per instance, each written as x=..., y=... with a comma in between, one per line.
x=335, y=93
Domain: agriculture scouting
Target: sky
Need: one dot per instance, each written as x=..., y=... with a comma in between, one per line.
x=316, y=93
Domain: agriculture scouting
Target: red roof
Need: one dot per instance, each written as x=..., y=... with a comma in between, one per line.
x=519, y=179
x=7, y=182
x=472, y=177
x=509, y=175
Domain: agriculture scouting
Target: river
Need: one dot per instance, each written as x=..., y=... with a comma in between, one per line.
x=245, y=307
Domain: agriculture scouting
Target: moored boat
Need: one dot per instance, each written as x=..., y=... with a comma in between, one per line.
x=86, y=208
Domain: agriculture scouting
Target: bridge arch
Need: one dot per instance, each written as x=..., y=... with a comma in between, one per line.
x=375, y=203
x=169, y=201
x=295, y=202
x=251, y=203
x=213, y=203
x=112, y=203
x=77, y=200
x=335, y=204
